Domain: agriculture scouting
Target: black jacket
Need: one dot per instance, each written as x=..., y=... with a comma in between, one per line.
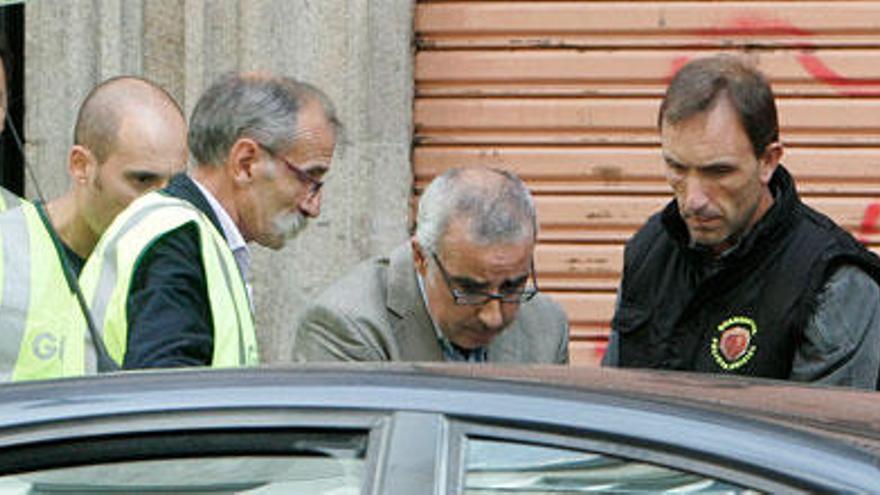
x=169, y=314
x=683, y=309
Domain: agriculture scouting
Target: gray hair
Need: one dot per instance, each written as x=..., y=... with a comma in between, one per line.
x=261, y=107
x=497, y=203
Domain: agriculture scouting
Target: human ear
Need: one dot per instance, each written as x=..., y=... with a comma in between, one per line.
x=79, y=162
x=419, y=261
x=241, y=160
x=770, y=160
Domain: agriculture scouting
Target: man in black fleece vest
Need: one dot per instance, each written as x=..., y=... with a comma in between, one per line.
x=736, y=275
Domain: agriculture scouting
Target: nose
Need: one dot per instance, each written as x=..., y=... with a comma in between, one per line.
x=695, y=195
x=490, y=315
x=310, y=206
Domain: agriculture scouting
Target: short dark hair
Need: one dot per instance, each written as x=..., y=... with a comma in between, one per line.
x=698, y=85
x=263, y=107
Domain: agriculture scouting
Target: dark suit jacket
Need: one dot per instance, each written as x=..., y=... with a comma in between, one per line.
x=169, y=313
x=376, y=313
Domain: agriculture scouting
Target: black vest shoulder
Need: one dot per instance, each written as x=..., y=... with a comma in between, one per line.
x=744, y=314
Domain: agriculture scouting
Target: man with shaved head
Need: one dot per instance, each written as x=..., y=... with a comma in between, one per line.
x=462, y=290
x=130, y=138
x=168, y=282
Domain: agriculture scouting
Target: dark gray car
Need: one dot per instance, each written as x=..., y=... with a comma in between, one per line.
x=420, y=429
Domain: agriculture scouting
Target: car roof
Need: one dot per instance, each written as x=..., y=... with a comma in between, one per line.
x=849, y=414
x=834, y=411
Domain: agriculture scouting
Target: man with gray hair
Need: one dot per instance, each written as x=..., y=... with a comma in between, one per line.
x=167, y=283
x=463, y=289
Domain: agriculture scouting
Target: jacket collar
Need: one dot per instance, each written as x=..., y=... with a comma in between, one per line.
x=182, y=186
x=413, y=327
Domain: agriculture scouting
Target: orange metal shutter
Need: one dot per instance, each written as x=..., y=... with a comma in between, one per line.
x=565, y=94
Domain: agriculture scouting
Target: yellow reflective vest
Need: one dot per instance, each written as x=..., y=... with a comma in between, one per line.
x=106, y=278
x=8, y=200
x=41, y=323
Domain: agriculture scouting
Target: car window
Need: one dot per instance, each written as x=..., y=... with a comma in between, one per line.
x=328, y=466
x=241, y=475
x=502, y=467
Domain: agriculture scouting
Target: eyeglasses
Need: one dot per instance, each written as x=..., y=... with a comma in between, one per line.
x=314, y=184
x=509, y=295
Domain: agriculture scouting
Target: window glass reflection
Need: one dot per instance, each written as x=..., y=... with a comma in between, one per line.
x=496, y=467
x=315, y=464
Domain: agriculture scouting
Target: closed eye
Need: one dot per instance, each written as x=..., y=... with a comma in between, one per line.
x=514, y=285
x=316, y=172
x=675, y=169
x=718, y=169
x=141, y=178
x=469, y=284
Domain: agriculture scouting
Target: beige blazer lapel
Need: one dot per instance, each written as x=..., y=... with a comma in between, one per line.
x=412, y=326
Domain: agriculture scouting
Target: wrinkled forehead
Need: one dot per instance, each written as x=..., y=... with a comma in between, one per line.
x=155, y=143
x=315, y=136
x=461, y=244
x=483, y=229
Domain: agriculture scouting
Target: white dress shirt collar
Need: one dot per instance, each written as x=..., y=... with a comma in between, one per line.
x=234, y=239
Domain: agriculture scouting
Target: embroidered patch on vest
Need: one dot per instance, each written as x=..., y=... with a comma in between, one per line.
x=732, y=346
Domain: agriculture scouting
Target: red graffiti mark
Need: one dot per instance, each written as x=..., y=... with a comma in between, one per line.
x=599, y=351
x=755, y=26
x=822, y=72
x=819, y=70
x=869, y=222
x=676, y=65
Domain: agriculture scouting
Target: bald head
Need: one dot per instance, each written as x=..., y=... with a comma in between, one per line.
x=496, y=205
x=109, y=104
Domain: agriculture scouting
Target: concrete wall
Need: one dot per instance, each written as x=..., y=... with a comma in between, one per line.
x=358, y=51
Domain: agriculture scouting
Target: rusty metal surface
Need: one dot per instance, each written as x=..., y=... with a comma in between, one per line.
x=648, y=24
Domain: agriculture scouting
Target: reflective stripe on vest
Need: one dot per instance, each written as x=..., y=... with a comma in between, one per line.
x=38, y=312
x=106, y=279
x=8, y=200
x=16, y=289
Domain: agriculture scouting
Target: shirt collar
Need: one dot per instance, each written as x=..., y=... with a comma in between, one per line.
x=233, y=236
